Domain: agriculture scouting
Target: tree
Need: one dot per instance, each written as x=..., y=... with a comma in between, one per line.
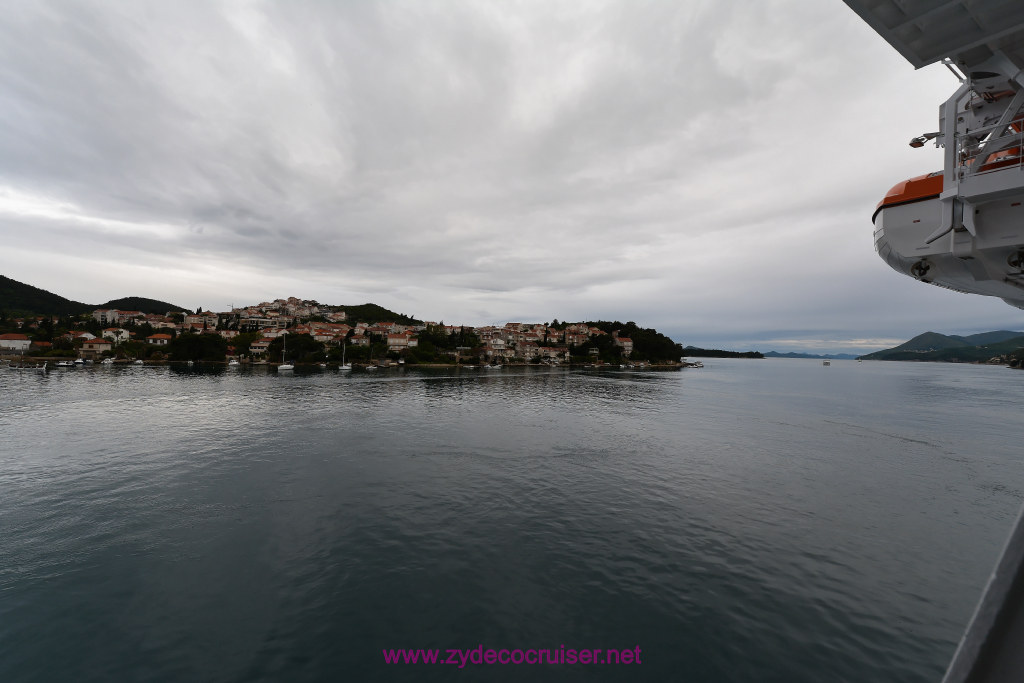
x=196, y=347
x=301, y=347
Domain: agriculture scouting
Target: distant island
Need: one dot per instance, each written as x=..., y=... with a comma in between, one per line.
x=39, y=323
x=693, y=351
x=997, y=347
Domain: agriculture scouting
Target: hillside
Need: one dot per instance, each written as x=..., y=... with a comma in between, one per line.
x=648, y=343
x=17, y=298
x=372, y=313
x=932, y=346
x=138, y=303
x=930, y=341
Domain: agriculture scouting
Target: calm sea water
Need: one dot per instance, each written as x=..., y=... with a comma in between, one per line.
x=755, y=520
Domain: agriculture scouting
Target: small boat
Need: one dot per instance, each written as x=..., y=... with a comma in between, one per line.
x=79, y=361
x=65, y=364
x=344, y=365
x=30, y=368
x=138, y=362
x=233, y=361
x=826, y=363
x=285, y=365
x=110, y=361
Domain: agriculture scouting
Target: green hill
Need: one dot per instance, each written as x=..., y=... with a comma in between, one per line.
x=931, y=341
x=17, y=298
x=372, y=313
x=932, y=346
x=138, y=303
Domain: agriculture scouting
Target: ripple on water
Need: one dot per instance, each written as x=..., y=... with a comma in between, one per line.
x=754, y=521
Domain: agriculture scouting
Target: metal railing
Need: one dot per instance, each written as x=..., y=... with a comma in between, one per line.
x=977, y=155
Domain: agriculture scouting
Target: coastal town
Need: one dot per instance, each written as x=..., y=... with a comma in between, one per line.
x=298, y=331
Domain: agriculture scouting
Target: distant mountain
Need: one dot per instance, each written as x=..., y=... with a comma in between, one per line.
x=992, y=337
x=931, y=341
x=834, y=356
x=138, y=303
x=932, y=346
x=19, y=298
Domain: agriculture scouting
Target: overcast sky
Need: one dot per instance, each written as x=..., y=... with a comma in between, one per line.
x=708, y=168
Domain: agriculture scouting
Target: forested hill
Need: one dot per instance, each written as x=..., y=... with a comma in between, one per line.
x=372, y=313
x=138, y=303
x=932, y=346
x=17, y=298
x=693, y=351
x=647, y=342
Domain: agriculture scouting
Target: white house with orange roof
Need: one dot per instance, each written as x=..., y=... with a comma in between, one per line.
x=159, y=339
x=14, y=341
x=402, y=341
x=95, y=347
x=260, y=346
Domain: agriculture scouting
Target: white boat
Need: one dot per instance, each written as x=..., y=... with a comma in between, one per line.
x=65, y=364
x=233, y=361
x=79, y=361
x=284, y=364
x=344, y=365
x=110, y=361
x=138, y=362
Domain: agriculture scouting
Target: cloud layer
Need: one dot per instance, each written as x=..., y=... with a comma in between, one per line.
x=706, y=168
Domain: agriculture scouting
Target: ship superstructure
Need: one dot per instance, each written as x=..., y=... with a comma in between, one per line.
x=961, y=227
